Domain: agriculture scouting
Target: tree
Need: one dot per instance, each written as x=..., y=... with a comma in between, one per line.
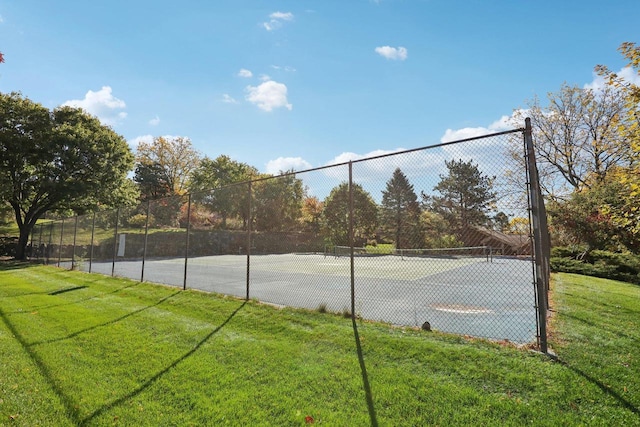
x=153, y=181
x=1, y=57
x=60, y=159
x=215, y=184
x=312, y=214
x=626, y=214
x=175, y=155
x=519, y=225
x=336, y=214
x=400, y=212
x=501, y=222
x=278, y=203
x=438, y=233
x=576, y=137
x=631, y=93
x=586, y=218
x=467, y=196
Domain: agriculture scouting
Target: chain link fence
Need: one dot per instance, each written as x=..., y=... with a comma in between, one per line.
x=441, y=237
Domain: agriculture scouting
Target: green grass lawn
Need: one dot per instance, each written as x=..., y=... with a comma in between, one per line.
x=80, y=349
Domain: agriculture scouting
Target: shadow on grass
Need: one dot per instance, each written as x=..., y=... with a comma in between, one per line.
x=110, y=322
x=44, y=307
x=71, y=411
x=592, y=324
x=365, y=377
x=595, y=301
x=157, y=376
x=602, y=386
x=13, y=264
x=66, y=400
x=71, y=289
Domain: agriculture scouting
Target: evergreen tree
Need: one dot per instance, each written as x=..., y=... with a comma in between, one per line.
x=400, y=213
x=467, y=196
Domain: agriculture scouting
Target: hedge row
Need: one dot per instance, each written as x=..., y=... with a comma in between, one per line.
x=609, y=265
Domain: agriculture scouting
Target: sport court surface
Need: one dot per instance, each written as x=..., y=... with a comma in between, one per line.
x=462, y=295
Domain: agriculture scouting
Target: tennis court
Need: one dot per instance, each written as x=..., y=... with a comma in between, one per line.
x=470, y=295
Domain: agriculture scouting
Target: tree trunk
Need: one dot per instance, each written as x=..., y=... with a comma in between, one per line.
x=23, y=241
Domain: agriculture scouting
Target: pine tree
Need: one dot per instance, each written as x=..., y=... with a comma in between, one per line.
x=467, y=196
x=400, y=212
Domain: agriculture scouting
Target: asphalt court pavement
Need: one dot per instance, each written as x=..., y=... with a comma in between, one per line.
x=468, y=295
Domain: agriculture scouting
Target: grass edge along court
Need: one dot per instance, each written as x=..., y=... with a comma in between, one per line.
x=80, y=349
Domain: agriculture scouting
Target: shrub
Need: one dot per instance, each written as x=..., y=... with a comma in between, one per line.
x=140, y=220
x=609, y=265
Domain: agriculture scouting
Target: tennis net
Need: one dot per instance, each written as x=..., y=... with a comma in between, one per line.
x=457, y=252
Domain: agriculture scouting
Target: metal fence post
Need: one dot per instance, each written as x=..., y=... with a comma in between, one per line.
x=60, y=245
x=40, y=244
x=248, y=238
x=75, y=235
x=537, y=212
x=93, y=229
x=115, y=243
x=186, y=249
x=351, y=242
x=146, y=235
x=48, y=248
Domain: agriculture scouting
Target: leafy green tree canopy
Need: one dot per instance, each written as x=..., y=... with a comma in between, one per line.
x=214, y=183
x=336, y=214
x=278, y=203
x=60, y=159
x=153, y=181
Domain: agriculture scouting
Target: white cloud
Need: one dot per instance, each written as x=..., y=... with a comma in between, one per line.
x=630, y=75
x=155, y=121
x=245, y=73
x=1, y=19
x=348, y=156
x=284, y=68
x=626, y=73
x=268, y=95
x=228, y=99
x=463, y=133
x=400, y=53
x=372, y=170
x=284, y=16
x=264, y=77
x=502, y=124
x=283, y=164
x=276, y=20
x=101, y=104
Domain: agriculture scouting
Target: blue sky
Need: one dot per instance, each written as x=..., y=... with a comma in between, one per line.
x=300, y=84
